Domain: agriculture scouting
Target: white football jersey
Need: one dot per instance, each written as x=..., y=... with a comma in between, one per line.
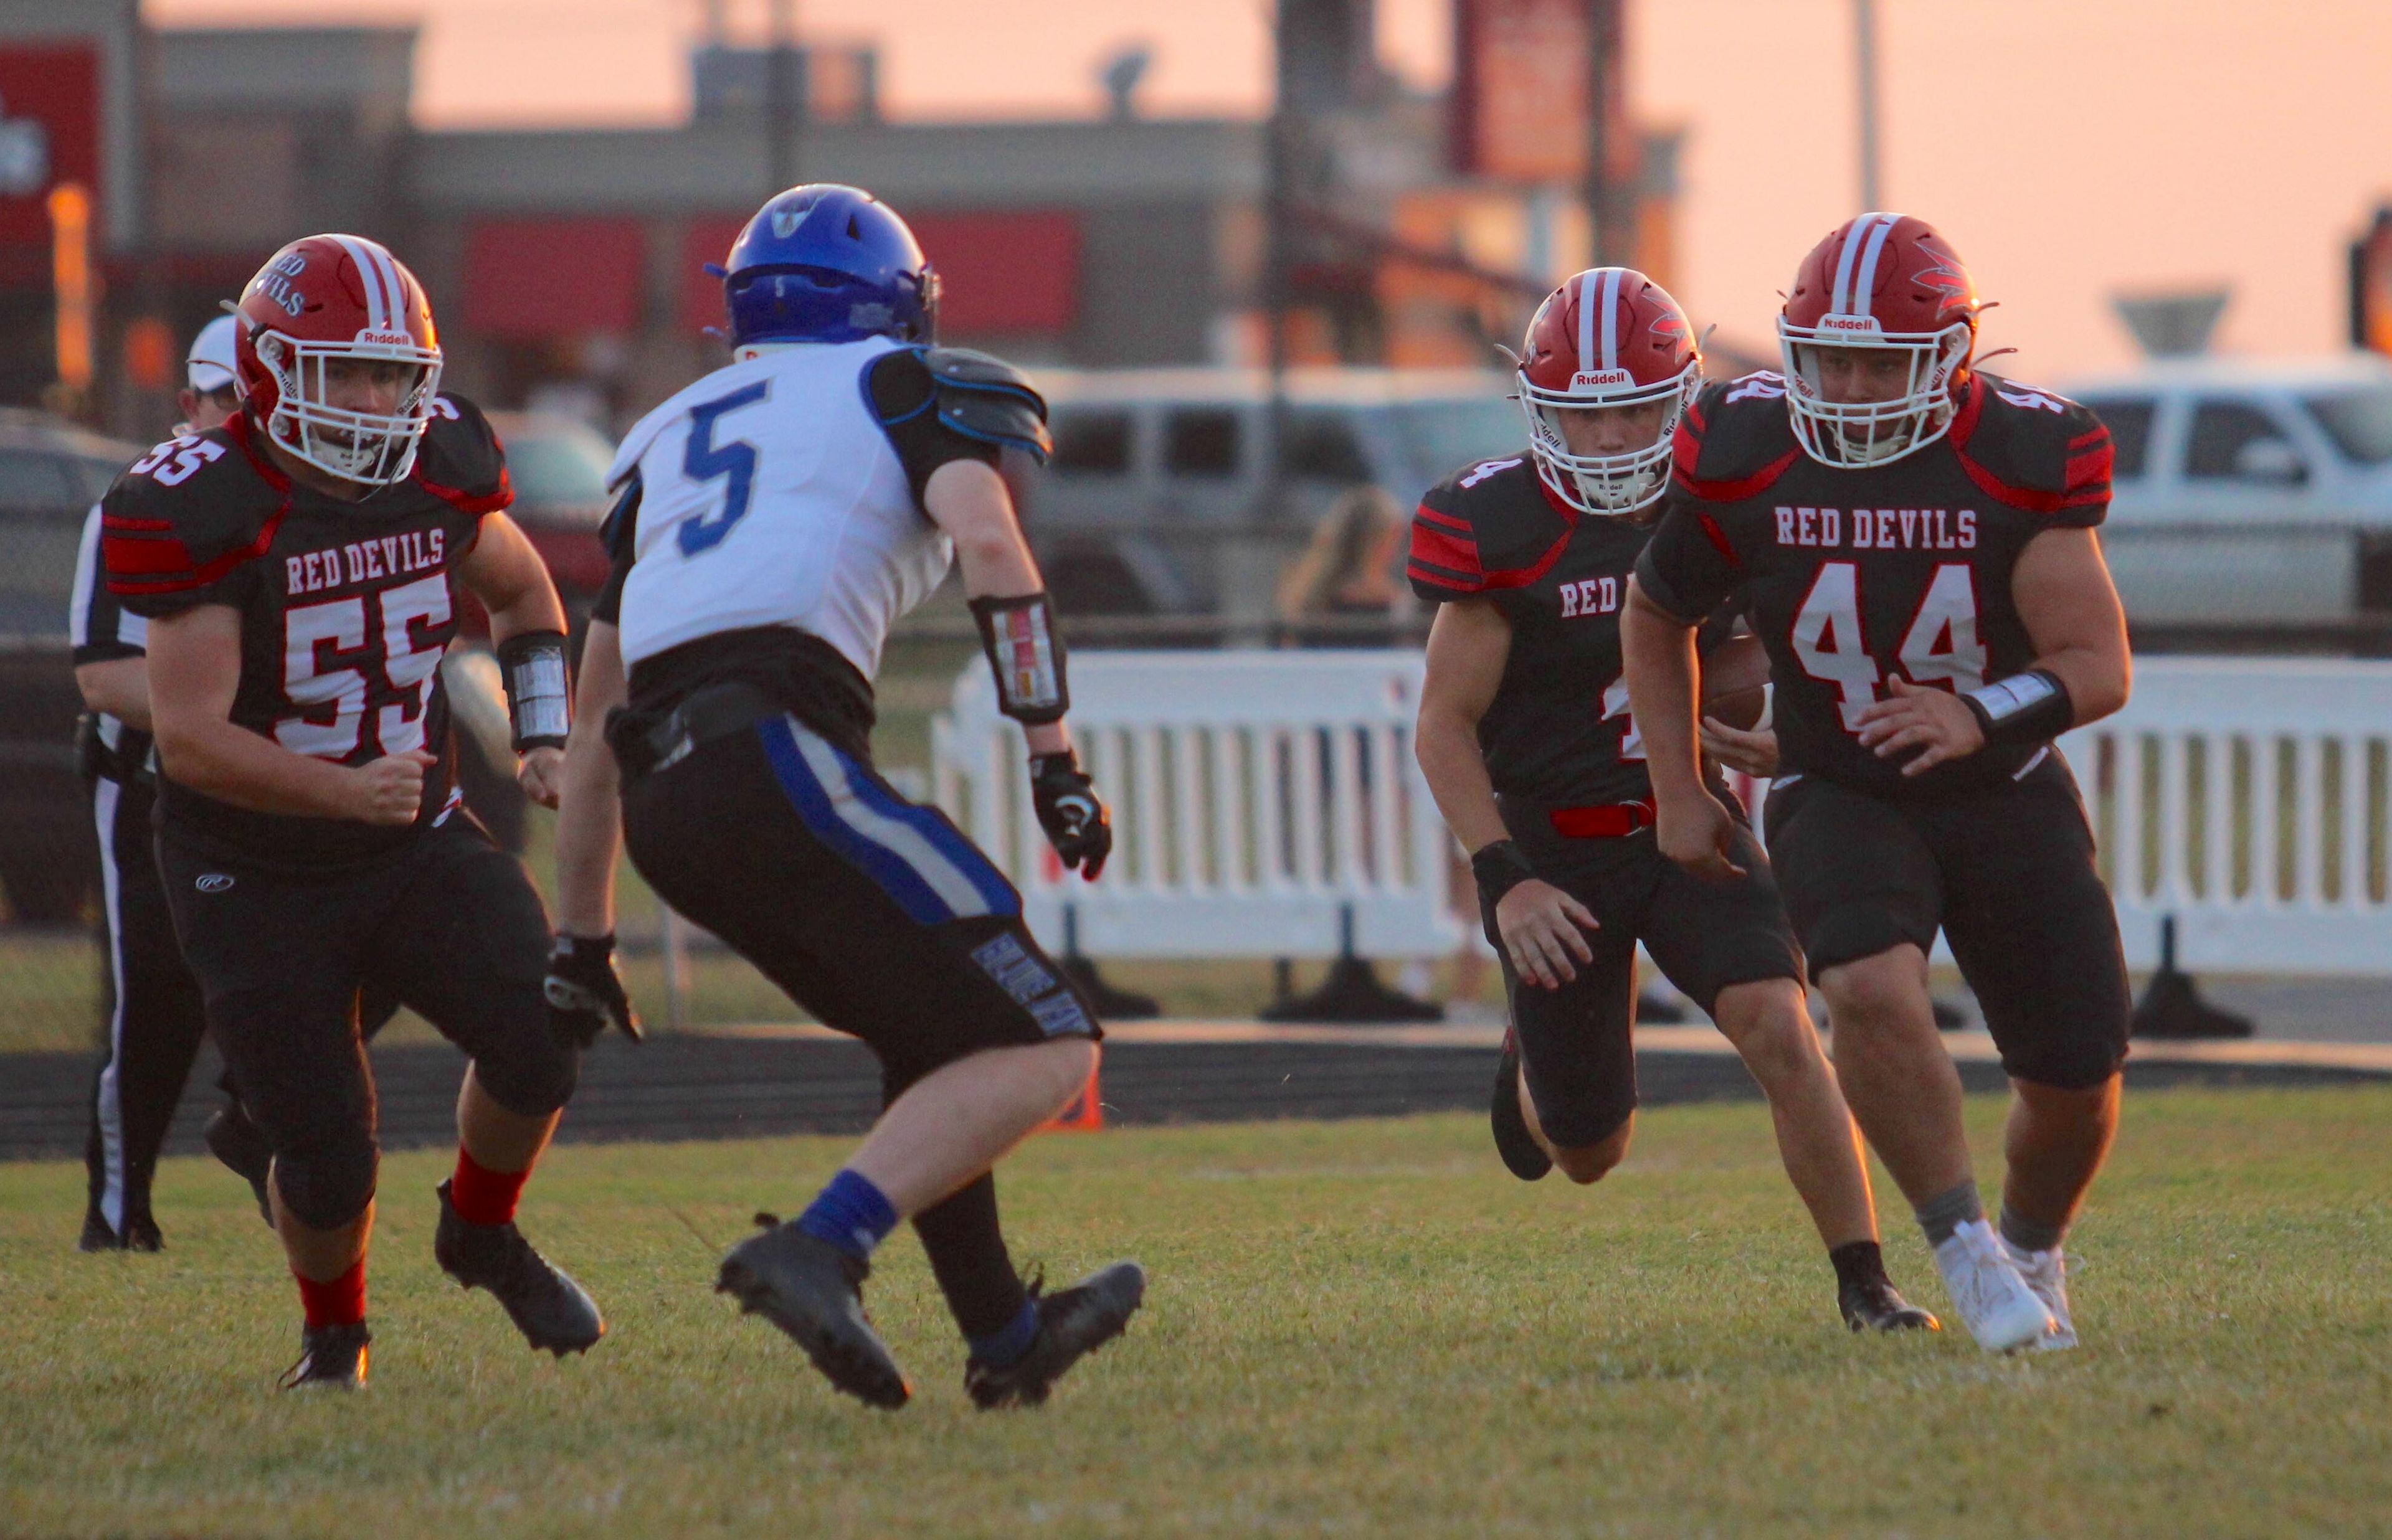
x=770, y=495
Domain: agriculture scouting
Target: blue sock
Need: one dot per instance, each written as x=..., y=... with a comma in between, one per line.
x=1008, y=1344
x=851, y=1214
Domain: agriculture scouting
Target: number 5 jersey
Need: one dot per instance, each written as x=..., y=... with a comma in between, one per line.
x=1854, y=578
x=345, y=609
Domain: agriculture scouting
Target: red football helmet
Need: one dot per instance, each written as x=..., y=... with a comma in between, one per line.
x=1609, y=338
x=330, y=297
x=1881, y=281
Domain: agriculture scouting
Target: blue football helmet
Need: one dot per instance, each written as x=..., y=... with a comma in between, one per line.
x=827, y=264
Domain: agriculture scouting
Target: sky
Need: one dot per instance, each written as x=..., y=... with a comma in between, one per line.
x=2071, y=150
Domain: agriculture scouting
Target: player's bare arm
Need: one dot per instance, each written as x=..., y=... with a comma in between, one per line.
x=507, y=576
x=117, y=688
x=194, y=673
x=1540, y=925
x=1657, y=655
x=967, y=500
x=2064, y=596
x=588, y=810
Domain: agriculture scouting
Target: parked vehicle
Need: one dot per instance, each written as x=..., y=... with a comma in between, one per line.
x=2250, y=490
x=558, y=467
x=51, y=472
x=1166, y=495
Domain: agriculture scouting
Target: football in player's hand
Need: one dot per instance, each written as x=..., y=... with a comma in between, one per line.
x=1736, y=681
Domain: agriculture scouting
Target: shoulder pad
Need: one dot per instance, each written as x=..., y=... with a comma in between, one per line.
x=460, y=460
x=1487, y=527
x=984, y=397
x=186, y=513
x=2033, y=448
x=1734, y=440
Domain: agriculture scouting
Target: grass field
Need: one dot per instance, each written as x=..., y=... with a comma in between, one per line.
x=1360, y=1329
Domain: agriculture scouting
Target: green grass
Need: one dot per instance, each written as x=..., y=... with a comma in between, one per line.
x=1360, y=1329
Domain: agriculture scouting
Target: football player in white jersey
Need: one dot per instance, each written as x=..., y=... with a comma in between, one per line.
x=773, y=519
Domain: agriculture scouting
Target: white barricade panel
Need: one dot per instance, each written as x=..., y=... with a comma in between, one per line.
x=1261, y=798
x=1262, y=802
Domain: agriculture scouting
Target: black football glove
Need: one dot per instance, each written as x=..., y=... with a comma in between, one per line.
x=585, y=992
x=1070, y=812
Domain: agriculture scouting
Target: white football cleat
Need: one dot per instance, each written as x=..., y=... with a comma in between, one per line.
x=2046, y=1274
x=1994, y=1302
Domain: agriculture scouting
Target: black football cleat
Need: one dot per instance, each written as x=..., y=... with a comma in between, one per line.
x=1523, y=1156
x=330, y=1358
x=550, y=1309
x=1876, y=1305
x=814, y=1291
x=236, y=1142
x=97, y=1234
x=1071, y=1324
x=141, y=1233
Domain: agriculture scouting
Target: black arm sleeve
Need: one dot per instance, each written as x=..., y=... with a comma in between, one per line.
x=1685, y=569
x=904, y=399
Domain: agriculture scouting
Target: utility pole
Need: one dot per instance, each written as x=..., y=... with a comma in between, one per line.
x=780, y=100
x=1865, y=60
x=1609, y=206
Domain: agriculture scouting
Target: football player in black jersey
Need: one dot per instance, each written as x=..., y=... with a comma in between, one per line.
x=1532, y=753
x=1913, y=540
x=298, y=567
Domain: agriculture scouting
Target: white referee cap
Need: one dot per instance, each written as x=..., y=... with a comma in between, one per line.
x=209, y=364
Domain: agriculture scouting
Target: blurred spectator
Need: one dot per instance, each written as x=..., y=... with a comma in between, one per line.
x=1348, y=576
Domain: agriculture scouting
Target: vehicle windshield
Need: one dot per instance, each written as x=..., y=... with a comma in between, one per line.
x=2360, y=422
x=560, y=471
x=1442, y=436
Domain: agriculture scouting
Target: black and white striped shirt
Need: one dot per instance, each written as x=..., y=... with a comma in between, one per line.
x=102, y=630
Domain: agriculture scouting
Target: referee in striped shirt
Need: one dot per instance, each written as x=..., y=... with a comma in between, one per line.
x=155, y=1017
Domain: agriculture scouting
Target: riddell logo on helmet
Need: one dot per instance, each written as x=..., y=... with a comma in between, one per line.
x=1861, y=324
x=1599, y=379
x=384, y=339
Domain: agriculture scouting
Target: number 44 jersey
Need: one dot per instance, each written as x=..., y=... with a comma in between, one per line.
x=345, y=609
x=1855, y=577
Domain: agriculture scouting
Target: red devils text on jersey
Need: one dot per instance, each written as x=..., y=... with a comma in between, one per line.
x=1558, y=732
x=1856, y=576
x=345, y=610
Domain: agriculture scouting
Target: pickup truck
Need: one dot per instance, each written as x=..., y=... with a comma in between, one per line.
x=2252, y=491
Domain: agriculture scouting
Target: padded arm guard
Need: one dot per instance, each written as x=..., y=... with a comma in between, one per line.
x=987, y=399
x=1026, y=656
x=539, y=704
x=2032, y=707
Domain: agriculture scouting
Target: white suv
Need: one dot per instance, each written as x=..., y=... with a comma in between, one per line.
x=2250, y=490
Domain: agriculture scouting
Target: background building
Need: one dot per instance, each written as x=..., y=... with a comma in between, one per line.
x=565, y=263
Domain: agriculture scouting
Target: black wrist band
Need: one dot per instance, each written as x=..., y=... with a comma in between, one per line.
x=1026, y=656
x=2024, y=709
x=1500, y=868
x=539, y=701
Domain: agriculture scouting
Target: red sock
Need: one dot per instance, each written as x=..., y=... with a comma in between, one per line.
x=341, y=1302
x=481, y=1195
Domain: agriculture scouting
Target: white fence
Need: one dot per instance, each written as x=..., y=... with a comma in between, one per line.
x=1260, y=796
x=2247, y=797
x=1259, y=799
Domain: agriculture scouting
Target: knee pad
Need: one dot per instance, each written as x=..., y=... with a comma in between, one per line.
x=533, y=1075
x=328, y=1183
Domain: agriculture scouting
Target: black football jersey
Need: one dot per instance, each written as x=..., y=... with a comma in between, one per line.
x=1854, y=576
x=1558, y=732
x=345, y=610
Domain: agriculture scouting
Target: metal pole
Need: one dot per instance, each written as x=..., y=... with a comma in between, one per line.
x=1864, y=62
x=1606, y=208
x=780, y=100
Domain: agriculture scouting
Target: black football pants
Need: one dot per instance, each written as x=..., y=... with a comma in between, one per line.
x=155, y=1018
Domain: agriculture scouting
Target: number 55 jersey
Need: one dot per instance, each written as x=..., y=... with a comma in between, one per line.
x=345, y=609
x=1856, y=577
